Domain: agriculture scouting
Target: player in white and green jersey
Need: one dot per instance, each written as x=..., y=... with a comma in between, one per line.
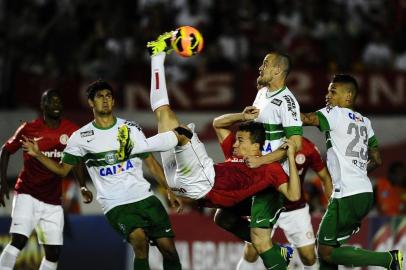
x=112, y=149
x=352, y=151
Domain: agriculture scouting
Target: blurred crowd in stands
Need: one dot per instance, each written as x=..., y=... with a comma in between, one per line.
x=95, y=38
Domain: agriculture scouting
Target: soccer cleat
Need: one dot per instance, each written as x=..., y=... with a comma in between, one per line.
x=286, y=252
x=161, y=44
x=397, y=260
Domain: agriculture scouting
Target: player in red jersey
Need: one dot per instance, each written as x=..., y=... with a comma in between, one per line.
x=295, y=221
x=37, y=202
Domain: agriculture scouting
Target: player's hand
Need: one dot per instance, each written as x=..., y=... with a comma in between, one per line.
x=250, y=113
x=175, y=201
x=30, y=146
x=290, y=147
x=253, y=161
x=86, y=194
x=4, y=191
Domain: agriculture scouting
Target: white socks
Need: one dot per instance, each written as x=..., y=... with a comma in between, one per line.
x=8, y=257
x=315, y=266
x=47, y=265
x=158, y=92
x=245, y=265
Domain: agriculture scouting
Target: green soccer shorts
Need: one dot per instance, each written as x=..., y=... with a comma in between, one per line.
x=343, y=218
x=266, y=208
x=148, y=214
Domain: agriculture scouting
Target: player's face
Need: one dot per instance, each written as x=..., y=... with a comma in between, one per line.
x=337, y=95
x=243, y=146
x=266, y=71
x=103, y=102
x=52, y=106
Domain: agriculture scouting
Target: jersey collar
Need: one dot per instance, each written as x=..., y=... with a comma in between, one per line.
x=272, y=94
x=104, y=128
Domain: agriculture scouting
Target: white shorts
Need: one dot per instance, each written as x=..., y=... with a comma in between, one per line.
x=29, y=213
x=189, y=170
x=297, y=226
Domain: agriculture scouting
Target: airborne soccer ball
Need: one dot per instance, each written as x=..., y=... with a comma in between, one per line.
x=187, y=41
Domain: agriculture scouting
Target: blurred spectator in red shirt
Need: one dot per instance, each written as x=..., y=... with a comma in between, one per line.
x=390, y=192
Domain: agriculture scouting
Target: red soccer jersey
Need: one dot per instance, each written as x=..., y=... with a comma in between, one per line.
x=307, y=157
x=235, y=182
x=34, y=179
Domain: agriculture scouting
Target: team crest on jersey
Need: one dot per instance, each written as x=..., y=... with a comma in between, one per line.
x=300, y=159
x=110, y=158
x=63, y=139
x=277, y=102
x=86, y=133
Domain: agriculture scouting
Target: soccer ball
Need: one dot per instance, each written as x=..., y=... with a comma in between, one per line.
x=187, y=41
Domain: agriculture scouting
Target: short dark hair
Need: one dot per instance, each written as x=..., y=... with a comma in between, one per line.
x=49, y=92
x=348, y=80
x=96, y=86
x=256, y=130
x=283, y=60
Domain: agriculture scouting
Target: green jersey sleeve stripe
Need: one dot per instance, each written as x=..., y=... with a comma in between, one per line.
x=274, y=136
x=273, y=127
x=71, y=159
x=373, y=142
x=290, y=131
x=323, y=122
x=103, y=162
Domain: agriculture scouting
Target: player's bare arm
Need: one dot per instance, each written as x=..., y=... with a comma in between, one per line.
x=374, y=159
x=4, y=191
x=158, y=173
x=327, y=182
x=277, y=155
x=80, y=173
x=309, y=119
x=223, y=123
x=31, y=147
x=291, y=190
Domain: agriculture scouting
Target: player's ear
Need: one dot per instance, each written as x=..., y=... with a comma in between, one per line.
x=90, y=102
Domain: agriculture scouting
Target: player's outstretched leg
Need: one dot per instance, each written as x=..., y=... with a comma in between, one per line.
x=158, y=49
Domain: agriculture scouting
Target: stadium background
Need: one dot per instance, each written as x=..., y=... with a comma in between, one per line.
x=68, y=43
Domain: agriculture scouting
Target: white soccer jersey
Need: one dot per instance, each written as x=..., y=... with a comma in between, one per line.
x=348, y=137
x=112, y=157
x=279, y=111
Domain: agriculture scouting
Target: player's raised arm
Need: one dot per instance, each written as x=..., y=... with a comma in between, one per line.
x=31, y=147
x=223, y=123
x=291, y=190
x=309, y=119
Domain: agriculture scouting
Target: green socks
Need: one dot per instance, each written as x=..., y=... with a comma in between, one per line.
x=141, y=264
x=352, y=256
x=273, y=259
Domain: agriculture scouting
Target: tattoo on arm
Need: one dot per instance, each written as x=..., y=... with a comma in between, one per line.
x=309, y=119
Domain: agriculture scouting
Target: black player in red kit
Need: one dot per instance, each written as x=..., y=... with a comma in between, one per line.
x=37, y=202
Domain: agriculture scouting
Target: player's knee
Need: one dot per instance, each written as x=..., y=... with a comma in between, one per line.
x=261, y=242
x=250, y=253
x=167, y=248
x=324, y=252
x=224, y=219
x=18, y=240
x=52, y=252
x=308, y=259
x=139, y=242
